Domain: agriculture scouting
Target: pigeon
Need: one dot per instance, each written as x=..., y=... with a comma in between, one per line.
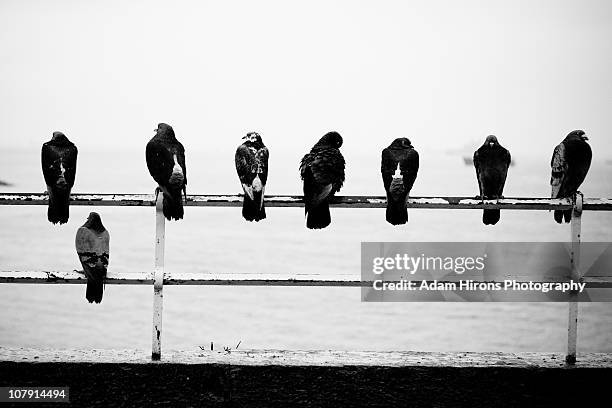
x=92, y=245
x=252, y=167
x=59, y=159
x=322, y=171
x=491, y=161
x=570, y=163
x=166, y=162
x=399, y=167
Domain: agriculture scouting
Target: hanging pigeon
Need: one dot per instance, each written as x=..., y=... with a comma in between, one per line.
x=252, y=167
x=323, y=173
x=92, y=245
x=491, y=161
x=399, y=168
x=166, y=162
x=570, y=163
x=59, y=159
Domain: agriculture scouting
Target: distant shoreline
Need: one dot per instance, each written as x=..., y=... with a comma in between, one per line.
x=5, y=184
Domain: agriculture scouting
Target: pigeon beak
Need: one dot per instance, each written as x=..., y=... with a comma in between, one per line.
x=245, y=137
x=585, y=138
x=491, y=144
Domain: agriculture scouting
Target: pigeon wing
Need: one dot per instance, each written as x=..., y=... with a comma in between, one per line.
x=245, y=159
x=559, y=169
x=104, y=249
x=69, y=156
x=159, y=162
x=261, y=158
x=578, y=166
x=180, y=156
x=314, y=190
x=305, y=165
x=322, y=177
x=85, y=242
x=92, y=248
x=387, y=167
x=47, y=158
x=410, y=167
x=477, y=166
x=505, y=164
x=328, y=168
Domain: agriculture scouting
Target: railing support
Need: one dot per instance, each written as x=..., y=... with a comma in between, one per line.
x=572, y=326
x=158, y=277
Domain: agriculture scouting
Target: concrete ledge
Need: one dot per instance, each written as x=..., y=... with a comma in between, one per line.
x=254, y=378
x=314, y=358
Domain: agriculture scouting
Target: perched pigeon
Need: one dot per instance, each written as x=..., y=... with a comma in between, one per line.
x=92, y=245
x=252, y=167
x=166, y=162
x=491, y=161
x=323, y=173
x=59, y=159
x=399, y=167
x=570, y=163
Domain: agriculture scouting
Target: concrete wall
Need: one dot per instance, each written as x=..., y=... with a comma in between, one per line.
x=234, y=379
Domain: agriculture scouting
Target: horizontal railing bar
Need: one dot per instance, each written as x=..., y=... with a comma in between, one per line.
x=249, y=279
x=72, y=277
x=137, y=200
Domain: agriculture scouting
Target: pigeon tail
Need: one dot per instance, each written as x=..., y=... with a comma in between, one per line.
x=490, y=217
x=59, y=206
x=396, y=200
x=95, y=285
x=251, y=209
x=397, y=214
x=318, y=217
x=173, y=206
x=561, y=215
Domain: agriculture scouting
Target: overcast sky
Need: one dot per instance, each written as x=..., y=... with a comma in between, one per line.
x=443, y=73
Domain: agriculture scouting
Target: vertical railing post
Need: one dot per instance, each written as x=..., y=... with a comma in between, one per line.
x=158, y=277
x=572, y=326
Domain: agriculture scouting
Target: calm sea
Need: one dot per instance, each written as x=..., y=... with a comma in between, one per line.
x=219, y=240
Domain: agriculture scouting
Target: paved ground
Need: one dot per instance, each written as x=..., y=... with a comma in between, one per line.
x=205, y=385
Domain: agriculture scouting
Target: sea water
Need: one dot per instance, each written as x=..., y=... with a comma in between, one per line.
x=218, y=240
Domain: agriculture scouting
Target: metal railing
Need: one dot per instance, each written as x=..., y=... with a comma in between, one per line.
x=158, y=278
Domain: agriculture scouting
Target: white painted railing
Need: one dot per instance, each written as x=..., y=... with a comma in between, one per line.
x=159, y=278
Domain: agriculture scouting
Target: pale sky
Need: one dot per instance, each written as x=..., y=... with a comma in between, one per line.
x=443, y=73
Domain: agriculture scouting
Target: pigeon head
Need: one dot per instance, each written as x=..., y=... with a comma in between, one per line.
x=165, y=131
x=401, y=143
x=330, y=139
x=254, y=138
x=577, y=135
x=94, y=222
x=59, y=138
x=491, y=141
